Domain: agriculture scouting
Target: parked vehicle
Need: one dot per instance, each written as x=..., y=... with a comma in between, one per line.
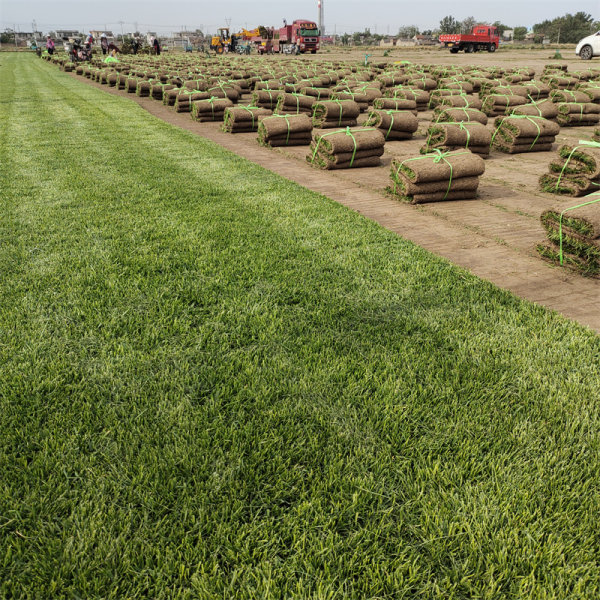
x=589, y=46
x=300, y=37
x=483, y=37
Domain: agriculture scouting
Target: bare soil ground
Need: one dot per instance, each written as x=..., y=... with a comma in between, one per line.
x=493, y=236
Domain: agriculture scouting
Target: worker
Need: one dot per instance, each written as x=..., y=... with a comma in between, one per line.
x=104, y=44
x=156, y=46
x=49, y=45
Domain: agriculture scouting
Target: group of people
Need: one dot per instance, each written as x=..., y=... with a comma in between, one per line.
x=107, y=47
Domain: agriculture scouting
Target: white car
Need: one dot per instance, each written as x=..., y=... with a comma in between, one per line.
x=589, y=46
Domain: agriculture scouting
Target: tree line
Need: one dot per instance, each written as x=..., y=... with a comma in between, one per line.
x=568, y=29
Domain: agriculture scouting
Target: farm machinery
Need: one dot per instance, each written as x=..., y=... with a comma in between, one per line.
x=299, y=37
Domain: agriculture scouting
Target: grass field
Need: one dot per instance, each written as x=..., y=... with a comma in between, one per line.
x=217, y=384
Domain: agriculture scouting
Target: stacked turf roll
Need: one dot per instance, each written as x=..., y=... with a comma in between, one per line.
x=452, y=136
x=575, y=171
x=394, y=124
x=456, y=115
x=265, y=98
x=437, y=177
x=183, y=101
x=543, y=108
x=420, y=97
x=494, y=105
x=522, y=133
x=285, y=130
x=578, y=114
x=212, y=109
x=294, y=104
x=347, y=148
x=573, y=233
x=243, y=119
x=395, y=104
x=335, y=113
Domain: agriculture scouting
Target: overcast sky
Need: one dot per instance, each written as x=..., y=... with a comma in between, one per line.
x=381, y=16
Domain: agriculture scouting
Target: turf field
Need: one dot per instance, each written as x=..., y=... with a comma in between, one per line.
x=217, y=384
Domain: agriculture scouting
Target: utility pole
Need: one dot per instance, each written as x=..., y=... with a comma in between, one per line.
x=321, y=20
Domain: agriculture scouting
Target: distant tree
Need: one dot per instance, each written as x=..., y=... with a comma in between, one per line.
x=408, y=31
x=345, y=39
x=500, y=27
x=427, y=32
x=356, y=37
x=519, y=33
x=7, y=36
x=449, y=25
x=568, y=28
x=466, y=25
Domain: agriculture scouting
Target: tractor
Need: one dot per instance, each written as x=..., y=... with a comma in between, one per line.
x=221, y=41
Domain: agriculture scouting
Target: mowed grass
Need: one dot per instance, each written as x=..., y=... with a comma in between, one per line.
x=217, y=384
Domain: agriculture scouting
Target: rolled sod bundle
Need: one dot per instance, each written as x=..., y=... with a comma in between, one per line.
x=421, y=97
x=131, y=85
x=563, y=185
x=568, y=96
x=545, y=108
x=143, y=89
x=537, y=90
x=436, y=177
x=183, y=101
x=559, y=81
x=452, y=115
x=593, y=93
x=122, y=83
x=395, y=104
x=394, y=124
x=495, y=105
x=212, y=109
x=509, y=90
x=293, y=104
x=200, y=85
x=265, y=98
x=243, y=119
x=361, y=99
x=573, y=235
x=232, y=93
x=335, y=113
x=581, y=159
x=451, y=136
x=523, y=133
x=318, y=92
x=461, y=101
x=578, y=114
x=347, y=148
x=370, y=92
x=435, y=97
x=285, y=130
x=113, y=79
x=423, y=83
x=157, y=90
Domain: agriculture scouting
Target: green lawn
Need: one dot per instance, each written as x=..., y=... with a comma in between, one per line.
x=216, y=384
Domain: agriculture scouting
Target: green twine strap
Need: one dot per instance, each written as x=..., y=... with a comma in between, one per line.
x=211, y=100
x=560, y=221
x=391, y=113
x=462, y=126
x=581, y=143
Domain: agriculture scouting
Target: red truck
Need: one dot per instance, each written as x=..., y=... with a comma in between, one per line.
x=299, y=37
x=483, y=37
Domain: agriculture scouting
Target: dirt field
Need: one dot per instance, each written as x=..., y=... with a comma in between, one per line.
x=493, y=236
